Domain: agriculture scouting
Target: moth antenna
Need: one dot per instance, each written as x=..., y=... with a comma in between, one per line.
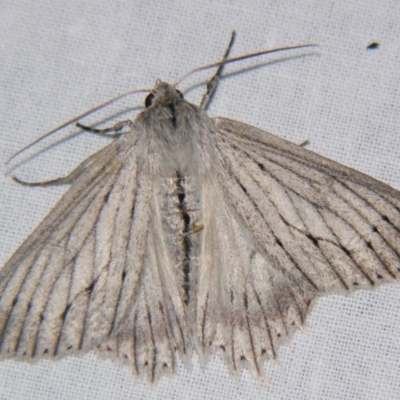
x=75, y=119
x=243, y=57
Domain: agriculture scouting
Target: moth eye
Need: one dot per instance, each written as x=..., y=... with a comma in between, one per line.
x=149, y=100
x=179, y=94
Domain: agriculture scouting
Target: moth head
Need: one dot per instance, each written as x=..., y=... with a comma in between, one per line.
x=163, y=93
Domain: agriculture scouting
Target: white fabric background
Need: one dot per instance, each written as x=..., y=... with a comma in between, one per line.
x=60, y=58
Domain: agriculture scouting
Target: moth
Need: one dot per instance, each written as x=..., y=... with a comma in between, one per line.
x=190, y=233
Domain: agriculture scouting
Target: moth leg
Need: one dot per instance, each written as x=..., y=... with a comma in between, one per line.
x=213, y=83
x=115, y=129
x=64, y=179
x=305, y=143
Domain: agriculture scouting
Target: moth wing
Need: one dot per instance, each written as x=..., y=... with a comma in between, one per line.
x=90, y=276
x=289, y=225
